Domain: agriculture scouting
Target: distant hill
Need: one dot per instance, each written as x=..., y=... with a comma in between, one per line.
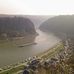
x=62, y=25
x=38, y=19
x=15, y=26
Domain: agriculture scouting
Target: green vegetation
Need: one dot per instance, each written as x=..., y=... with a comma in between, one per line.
x=17, y=42
x=59, y=25
x=13, y=70
x=15, y=26
x=53, y=51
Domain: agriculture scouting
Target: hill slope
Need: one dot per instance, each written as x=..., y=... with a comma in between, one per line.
x=63, y=24
x=16, y=26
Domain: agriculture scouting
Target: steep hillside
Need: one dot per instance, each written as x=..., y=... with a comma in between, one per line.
x=16, y=26
x=63, y=24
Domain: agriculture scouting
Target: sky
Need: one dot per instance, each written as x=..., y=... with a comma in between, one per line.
x=37, y=7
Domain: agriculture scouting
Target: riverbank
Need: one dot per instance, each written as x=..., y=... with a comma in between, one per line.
x=17, y=41
x=47, y=54
x=52, y=51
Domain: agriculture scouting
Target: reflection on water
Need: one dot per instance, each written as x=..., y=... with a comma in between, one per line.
x=13, y=55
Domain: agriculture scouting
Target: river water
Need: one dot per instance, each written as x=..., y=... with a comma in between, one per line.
x=44, y=42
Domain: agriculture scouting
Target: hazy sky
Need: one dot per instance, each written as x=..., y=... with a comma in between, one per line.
x=37, y=7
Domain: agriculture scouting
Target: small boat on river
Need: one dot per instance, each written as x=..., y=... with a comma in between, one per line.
x=27, y=44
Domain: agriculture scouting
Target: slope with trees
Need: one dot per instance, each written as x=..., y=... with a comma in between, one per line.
x=16, y=26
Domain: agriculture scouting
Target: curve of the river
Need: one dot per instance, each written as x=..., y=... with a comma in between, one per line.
x=44, y=42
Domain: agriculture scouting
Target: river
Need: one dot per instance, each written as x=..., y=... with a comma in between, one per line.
x=44, y=42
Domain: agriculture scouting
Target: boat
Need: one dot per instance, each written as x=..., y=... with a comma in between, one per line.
x=27, y=44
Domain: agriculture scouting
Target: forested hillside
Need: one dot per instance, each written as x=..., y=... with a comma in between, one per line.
x=15, y=26
x=62, y=25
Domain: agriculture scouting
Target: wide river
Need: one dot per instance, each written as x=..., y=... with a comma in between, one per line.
x=44, y=42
